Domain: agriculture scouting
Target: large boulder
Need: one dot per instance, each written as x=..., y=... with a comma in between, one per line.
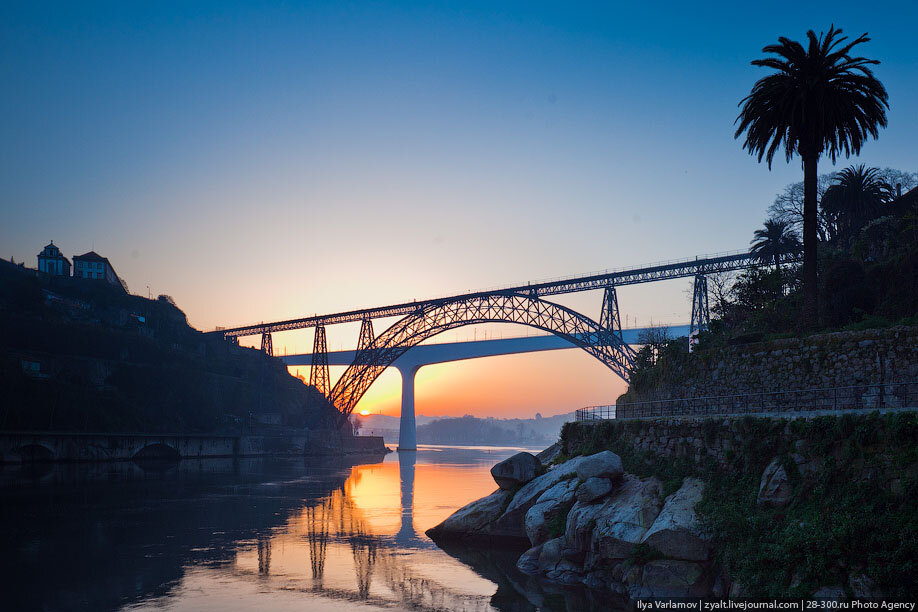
x=578, y=532
x=593, y=490
x=550, y=454
x=775, y=488
x=601, y=465
x=528, y=563
x=513, y=472
x=475, y=518
x=512, y=521
x=676, y=531
x=625, y=518
x=671, y=578
x=550, y=554
x=549, y=506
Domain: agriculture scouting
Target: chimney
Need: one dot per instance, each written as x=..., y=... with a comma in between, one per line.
x=898, y=190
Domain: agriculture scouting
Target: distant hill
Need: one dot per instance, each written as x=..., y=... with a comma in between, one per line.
x=472, y=431
x=384, y=421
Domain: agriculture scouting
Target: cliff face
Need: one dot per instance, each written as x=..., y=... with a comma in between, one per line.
x=716, y=508
x=83, y=356
x=840, y=359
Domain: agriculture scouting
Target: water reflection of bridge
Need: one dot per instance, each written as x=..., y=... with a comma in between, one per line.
x=385, y=570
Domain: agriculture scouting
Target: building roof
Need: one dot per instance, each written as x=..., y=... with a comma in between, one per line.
x=90, y=256
x=60, y=254
x=93, y=256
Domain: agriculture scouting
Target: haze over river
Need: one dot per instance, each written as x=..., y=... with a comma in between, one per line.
x=266, y=534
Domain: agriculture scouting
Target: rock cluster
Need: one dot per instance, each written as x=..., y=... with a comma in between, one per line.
x=586, y=521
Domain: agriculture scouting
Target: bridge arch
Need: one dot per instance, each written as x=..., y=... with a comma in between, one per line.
x=432, y=319
x=32, y=453
x=158, y=450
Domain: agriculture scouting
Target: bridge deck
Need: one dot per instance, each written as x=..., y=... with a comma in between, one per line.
x=600, y=280
x=427, y=354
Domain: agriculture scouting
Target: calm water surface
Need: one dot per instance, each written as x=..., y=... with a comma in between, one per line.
x=256, y=534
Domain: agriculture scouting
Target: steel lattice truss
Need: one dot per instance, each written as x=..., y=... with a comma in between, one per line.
x=267, y=345
x=701, y=313
x=318, y=374
x=603, y=343
x=616, y=278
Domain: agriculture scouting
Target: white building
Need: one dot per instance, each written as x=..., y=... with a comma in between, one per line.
x=52, y=261
x=94, y=266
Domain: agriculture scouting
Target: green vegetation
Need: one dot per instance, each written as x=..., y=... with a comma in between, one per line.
x=853, y=513
x=868, y=276
x=558, y=524
x=642, y=553
x=819, y=100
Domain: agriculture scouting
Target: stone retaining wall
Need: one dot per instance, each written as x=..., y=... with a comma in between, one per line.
x=840, y=359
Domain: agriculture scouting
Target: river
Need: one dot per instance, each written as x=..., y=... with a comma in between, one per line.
x=257, y=534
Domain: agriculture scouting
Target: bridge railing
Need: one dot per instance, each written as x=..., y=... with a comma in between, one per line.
x=853, y=397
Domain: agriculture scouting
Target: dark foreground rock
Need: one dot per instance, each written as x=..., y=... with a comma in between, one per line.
x=513, y=472
x=583, y=521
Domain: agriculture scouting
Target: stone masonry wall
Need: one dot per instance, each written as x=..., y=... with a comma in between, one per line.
x=821, y=361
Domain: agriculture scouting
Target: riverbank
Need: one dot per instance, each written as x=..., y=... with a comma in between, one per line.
x=726, y=507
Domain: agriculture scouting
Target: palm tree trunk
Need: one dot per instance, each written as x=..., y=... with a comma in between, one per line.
x=810, y=212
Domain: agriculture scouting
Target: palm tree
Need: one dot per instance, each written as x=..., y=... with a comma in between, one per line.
x=857, y=197
x=774, y=240
x=818, y=100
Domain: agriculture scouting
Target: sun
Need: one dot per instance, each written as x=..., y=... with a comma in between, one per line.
x=364, y=412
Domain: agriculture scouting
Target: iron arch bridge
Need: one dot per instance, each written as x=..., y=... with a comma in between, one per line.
x=603, y=340
x=521, y=304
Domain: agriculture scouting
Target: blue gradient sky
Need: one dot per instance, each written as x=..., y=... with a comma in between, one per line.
x=263, y=162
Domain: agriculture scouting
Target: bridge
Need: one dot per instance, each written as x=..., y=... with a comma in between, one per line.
x=428, y=354
x=521, y=304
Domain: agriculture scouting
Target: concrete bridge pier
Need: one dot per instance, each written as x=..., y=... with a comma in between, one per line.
x=407, y=431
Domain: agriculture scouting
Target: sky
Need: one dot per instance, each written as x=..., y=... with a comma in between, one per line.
x=264, y=161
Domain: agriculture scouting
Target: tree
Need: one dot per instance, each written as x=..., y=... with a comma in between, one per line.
x=898, y=180
x=856, y=198
x=653, y=340
x=788, y=205
x=818, y=100
x=775, y=239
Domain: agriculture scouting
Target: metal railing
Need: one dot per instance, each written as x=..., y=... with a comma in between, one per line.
x=596, y=413
x=854, y=397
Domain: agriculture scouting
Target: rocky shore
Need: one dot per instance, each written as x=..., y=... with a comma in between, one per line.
x=816, y=507
x=587, y=522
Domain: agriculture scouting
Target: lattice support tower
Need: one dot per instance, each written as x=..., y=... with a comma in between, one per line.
x=267, y=345
x=366, y=335
x=701, y=314
x=611, y=320
x=318, y=373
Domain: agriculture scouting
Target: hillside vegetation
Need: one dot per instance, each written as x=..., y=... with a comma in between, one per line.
x=82, y=355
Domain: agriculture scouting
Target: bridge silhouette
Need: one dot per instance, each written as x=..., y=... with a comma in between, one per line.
x=522, y=304
x=428, y=354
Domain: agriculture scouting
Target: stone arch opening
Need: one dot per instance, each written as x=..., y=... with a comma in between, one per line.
x=34, y=453
x=157, y=451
